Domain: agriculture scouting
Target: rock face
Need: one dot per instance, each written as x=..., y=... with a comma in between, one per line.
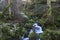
x=15, y=8
x=3, y=3
x=17, y=5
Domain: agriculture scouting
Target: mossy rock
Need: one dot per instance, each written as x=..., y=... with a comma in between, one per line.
x=32, y=36
x=50, y=35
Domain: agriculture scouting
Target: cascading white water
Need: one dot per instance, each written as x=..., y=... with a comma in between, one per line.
x=38, y=30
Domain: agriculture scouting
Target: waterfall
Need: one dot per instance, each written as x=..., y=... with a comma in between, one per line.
x=38, y=30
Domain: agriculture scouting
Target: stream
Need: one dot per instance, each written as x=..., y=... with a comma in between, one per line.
x=36, y=27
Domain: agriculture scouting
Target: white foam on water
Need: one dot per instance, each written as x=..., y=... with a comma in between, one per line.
x=38, y=29
x=25, y=38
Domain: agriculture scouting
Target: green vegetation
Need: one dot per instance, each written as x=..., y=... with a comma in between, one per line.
x=51, y=27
